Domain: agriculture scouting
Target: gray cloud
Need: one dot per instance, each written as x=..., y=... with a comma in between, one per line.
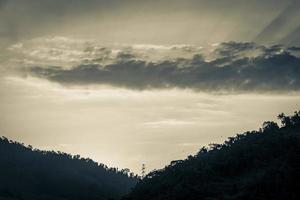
x=292, y=38
x=284, y=27
x=236, y=67
x=135, y=20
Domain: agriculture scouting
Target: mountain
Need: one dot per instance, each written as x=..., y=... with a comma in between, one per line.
x=260, y=165
x=27, y=173
x=255, y=165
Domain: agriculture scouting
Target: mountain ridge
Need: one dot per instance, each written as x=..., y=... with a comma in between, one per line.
x=261, y=164
x=28, y=173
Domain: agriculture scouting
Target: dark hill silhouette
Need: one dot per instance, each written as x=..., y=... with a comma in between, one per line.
x=47, y=175
x=256, y=165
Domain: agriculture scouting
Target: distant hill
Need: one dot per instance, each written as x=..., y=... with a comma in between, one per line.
x=27, y=174
x=256, y=165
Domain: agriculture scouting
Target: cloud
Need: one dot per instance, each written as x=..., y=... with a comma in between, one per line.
x=232, y=66
x=135, y=20
x=292, y=38
x=283, y=28
x=169, y=122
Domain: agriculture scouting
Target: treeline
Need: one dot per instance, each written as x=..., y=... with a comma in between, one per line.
x=260, y=165
x=31, y=174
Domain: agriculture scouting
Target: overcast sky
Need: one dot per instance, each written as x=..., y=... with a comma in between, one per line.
x=127, y=82
x=153, y=21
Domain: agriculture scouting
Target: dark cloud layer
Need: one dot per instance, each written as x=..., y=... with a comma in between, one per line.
x=236, y=67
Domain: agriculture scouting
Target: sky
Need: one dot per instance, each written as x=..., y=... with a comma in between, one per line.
x=132, y=82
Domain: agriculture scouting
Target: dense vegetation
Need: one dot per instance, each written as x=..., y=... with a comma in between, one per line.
x=258, y=165
x=40, y=175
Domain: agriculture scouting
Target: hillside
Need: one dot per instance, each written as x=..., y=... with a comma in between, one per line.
x=37, y=175
x=262, y=164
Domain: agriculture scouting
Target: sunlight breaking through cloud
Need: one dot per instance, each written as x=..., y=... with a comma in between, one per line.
x=226, y=67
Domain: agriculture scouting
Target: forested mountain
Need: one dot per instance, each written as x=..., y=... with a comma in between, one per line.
x=27, y=174
x=263, y=164
x=256, y=165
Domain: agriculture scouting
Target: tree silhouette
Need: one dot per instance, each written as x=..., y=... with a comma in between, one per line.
x=28, y=173
x=263, y=164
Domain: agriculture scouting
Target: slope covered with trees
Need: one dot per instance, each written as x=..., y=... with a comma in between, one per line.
x=258, y=165
x=37, y=175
